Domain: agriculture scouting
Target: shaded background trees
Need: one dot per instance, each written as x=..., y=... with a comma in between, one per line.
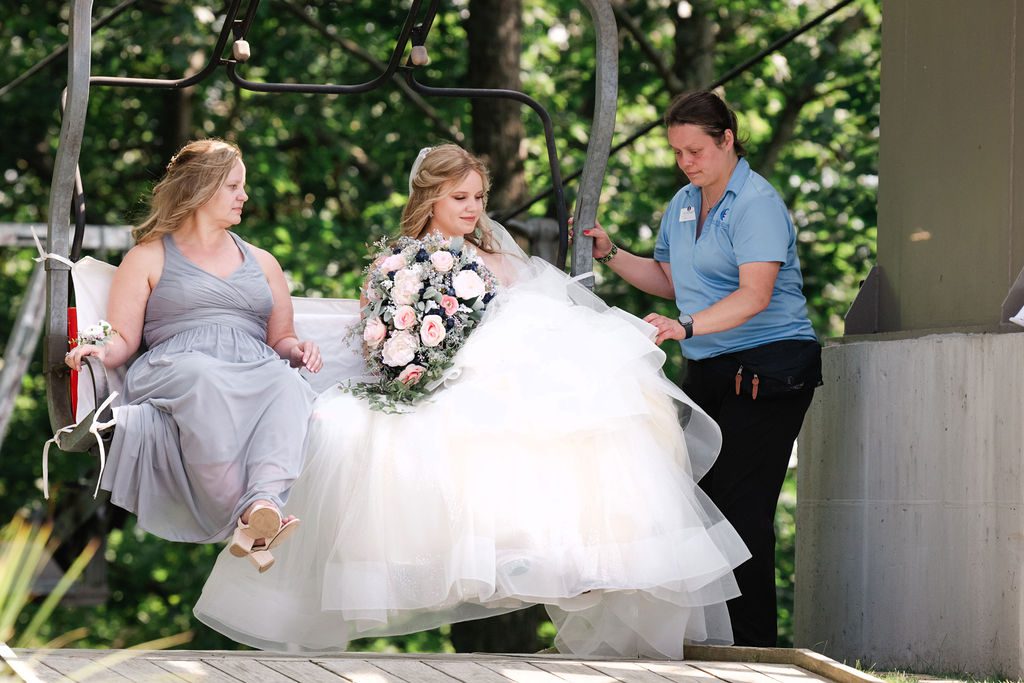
x=328, y=175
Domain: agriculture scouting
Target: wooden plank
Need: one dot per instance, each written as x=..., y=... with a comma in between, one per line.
x=142, y=670
x=114, y=665
x=521, y=671
x=806, y=659
x=628, y=672
x=358, y=671
x=468, y=671
x=574, y=672
x=194, y=670
x=733, y=672
x=303, y=671
x=788, y=673
x=251, y=670
x=34, y=671
x=729, y=664
x=414, y=671
x=81, y=668
x=818, y=663
x=679, y=672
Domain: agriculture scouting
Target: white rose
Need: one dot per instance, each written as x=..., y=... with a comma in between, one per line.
x=392, y=263
x=404, y=318
x=400, y=349
x=374, y=332
x=468, y=285
x=407, y=286
x=432, y=331
x=442, y=261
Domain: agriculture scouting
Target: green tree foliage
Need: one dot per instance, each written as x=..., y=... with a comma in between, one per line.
x=327, y=174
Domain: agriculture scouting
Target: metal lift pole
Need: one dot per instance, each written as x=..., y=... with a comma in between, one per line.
x=62, y=189
x=601, y=130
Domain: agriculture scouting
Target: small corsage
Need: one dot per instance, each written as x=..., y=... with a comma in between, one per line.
x=97, y=334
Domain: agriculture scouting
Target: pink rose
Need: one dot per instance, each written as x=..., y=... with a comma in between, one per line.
x=411, y=374
x=407, y=286
x=404, y=318
x=450, y=304
x=374, y=332
x=399, y=350
x=432, y=331
x=442, y=261
x=372, y=294
x=468, y=285
x=392, y=263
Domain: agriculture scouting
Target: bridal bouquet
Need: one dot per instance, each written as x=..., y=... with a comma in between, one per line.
x=424, y=296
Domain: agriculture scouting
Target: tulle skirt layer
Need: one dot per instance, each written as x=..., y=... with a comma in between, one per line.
x=552, y=468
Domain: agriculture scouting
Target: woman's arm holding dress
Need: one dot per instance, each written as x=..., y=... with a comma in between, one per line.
x=281, y=327
x=761, y=238
x=757, y=281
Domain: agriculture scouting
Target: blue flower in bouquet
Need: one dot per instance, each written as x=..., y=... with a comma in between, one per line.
x=424, y=298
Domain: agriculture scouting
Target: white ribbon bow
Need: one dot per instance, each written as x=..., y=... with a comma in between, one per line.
x=94, y=429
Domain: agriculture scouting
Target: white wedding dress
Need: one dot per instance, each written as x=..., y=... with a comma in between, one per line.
x=550, y=469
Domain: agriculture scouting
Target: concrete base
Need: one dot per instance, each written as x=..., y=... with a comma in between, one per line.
x=910, y=506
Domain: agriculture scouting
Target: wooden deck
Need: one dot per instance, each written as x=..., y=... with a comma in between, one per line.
x=704, y=665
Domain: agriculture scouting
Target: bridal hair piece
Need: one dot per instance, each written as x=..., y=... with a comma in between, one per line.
x=416, y=164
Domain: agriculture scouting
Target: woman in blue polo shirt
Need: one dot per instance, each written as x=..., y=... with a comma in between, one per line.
x=726, y=253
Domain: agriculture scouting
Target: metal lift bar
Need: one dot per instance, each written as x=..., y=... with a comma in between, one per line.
x=419, y=36
x=327, y=89
x=171, y=84
x=55, y=341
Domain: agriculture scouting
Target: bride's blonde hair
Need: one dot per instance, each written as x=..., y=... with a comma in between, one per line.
x=441, y=170
x=193, y=176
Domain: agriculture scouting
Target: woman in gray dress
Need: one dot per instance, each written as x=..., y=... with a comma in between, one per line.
x=212, y=428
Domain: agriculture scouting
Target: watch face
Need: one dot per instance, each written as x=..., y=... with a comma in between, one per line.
x=686, y=319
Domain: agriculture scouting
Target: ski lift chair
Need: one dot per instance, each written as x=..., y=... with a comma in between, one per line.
x=318, y=319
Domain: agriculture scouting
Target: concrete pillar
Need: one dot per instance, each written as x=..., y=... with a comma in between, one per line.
x=910, y=496
x=910, y=509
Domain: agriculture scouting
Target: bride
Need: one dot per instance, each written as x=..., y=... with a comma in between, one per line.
x=551, y=468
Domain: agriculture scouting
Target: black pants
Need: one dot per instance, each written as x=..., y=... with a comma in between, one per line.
x=745, y=483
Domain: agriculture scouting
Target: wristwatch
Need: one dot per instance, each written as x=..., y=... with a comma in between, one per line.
x=686, y=320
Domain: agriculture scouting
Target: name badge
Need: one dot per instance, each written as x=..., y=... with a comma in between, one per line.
x=687, y=213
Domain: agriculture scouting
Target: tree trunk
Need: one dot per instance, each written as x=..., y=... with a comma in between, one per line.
x=695, y=45
x=494, y=28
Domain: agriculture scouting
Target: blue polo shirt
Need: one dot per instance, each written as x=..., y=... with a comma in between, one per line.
x=749, y=223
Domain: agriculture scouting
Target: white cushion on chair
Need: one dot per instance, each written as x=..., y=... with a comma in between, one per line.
x=91, y=279
x=325, y=321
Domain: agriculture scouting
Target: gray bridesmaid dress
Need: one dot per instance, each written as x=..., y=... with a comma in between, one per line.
x=212, y=418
